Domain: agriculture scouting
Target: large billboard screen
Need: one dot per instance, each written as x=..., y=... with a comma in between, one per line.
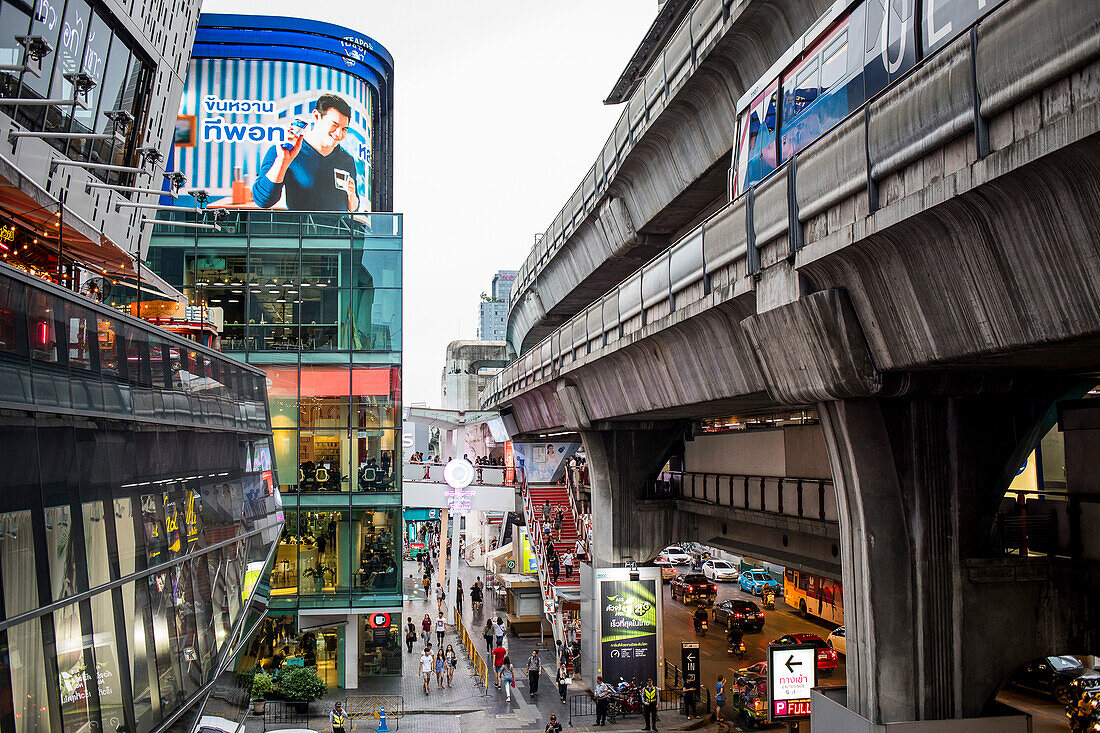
x=628, y=624
x=263, y=134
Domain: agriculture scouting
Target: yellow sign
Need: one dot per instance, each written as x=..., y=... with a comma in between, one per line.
x=7, y=234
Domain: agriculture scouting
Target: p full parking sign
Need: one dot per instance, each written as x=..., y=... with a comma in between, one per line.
x=792, y=673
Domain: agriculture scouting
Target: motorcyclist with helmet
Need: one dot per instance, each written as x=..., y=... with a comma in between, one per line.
x=699, y=617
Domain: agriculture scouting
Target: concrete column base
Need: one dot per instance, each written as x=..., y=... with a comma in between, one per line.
x=831, y=715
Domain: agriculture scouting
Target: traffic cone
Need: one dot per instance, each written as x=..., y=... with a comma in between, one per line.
x=382, y=727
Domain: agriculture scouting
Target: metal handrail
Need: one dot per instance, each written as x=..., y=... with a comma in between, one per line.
x=480, y=666
x=752, y=492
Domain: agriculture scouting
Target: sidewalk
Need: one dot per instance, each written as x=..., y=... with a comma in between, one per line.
x=464, y=707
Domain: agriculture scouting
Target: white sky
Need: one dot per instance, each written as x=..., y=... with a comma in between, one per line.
x=497, y=115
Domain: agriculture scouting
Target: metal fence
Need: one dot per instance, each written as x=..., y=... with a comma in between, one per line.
x=792, y=497
x=481, y=668
x=373, y=707
x=668, y=701
x=283, y=714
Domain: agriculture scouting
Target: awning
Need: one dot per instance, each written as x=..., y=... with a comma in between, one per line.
x=498, y=558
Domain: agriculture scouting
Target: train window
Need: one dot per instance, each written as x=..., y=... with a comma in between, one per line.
x=833, y=60
x=805, y=89
x=769, y=116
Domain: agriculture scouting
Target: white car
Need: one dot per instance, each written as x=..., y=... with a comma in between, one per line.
x=215, y=724
x=836, y=640
x=720, y=570
x=674, y=555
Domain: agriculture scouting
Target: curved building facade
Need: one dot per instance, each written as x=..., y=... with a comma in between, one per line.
x=250, y=77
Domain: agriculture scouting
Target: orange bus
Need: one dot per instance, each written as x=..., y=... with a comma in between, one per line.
x=812, y=595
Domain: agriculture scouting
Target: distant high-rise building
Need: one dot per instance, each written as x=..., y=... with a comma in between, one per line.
x=493, y=312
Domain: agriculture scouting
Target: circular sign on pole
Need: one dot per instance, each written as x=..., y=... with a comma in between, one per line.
x=511, y=564
x=458, y=473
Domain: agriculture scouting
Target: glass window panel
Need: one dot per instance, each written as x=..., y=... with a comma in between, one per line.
x=324, y=412
x=286, y=459
x=105, y=654
x=323, y=457
x=319, y=552
x=374, y=454
x=27, y=664
x=374, y=543
x=13, y=339
x=376, y=269
x=95, y=544
x=94, y=64
x=17, y=563
x=137, y=355
x=109, y=363
x=45, y=22
x=380, y=648
x=372, y=320
x=834, y=60
x=157, y=353
x=59, y=542
x=285, y=571
x=43, y=314
x=69, y=54
x=80, y=343
x=125, y=536
x=282, y=395
x=72, y=669
x=139, y=624
x=13, y=22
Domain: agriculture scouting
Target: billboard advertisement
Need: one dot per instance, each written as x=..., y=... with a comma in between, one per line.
x=543, y=463
x=628, y=629
x=270, y=134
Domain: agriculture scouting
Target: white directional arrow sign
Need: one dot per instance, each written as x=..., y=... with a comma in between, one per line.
x=792, y=673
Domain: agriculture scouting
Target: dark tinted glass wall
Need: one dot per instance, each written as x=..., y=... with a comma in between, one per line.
x=131, y=538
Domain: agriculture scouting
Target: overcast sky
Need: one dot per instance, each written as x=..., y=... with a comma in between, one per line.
x=497, y=115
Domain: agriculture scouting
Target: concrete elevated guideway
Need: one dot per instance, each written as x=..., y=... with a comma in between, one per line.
x=926, y=279
x=664, y=166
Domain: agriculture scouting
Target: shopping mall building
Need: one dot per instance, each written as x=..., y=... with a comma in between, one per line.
x=138, y=507
x=313, y=299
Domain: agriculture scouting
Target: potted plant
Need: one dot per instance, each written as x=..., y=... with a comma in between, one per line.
x=262, y=686
x=301, y=686
x=318, y=572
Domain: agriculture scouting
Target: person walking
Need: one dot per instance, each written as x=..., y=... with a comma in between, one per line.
x=553, y=726
x=691, y=690
x=440, y=596
x=567, y=563
x=559, y=520
x=578, y=549
x=426, y=666
x=452, y=662
x=555, y=566
x=475, y=598
x=602, y=694
x=440, y=668
x=499, y=629
x=508, y=678
x=534, y=669
x=426, y=629
x=337, y=719
x=487, y=634
x=458, y=597
x=427, y=582
x=546, y=510
x=649, y=705
x=499, y=655
x=440, y=628
x=563, y=679
x=410, y=635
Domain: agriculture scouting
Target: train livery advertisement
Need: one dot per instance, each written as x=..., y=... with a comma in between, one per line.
x=628, y=623
x=238, y=123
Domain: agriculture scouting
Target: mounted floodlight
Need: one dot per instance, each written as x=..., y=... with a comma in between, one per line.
x=150, y=156
x=219, y=215
x=37, y=47
x=201, y=197
x=176, y=180
x=128, y=189
x=82, y=82
x=121, y=119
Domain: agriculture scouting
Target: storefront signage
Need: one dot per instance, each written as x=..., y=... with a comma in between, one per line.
x=7, y=233
x=379, y=620
x=792, y=673
x=511, y=565
x=628, y=624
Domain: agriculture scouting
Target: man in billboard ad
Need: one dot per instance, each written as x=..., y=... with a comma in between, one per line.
x=628, y=618
x=310, y=165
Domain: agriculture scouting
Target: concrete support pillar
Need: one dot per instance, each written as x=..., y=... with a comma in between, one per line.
x=620, y=464
x=351, y=653
x=934, y=623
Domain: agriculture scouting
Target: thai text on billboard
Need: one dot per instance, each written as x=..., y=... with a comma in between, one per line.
x=628, y=627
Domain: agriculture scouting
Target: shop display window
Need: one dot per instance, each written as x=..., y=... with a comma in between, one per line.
x=379, y=644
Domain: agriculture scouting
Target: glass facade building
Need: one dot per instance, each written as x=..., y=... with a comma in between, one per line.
x=314, y=300
x=138, y=511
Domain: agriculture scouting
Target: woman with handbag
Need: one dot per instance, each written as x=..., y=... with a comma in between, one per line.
x=452, y=662
x=563, y=680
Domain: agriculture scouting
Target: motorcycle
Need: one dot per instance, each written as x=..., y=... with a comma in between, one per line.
x=701, y=627
x=769, y=600
x=626, y=699
x=737, y=650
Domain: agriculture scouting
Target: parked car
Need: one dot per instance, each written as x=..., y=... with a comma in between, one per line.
x=826, y=656
x=1049, y=676
x=675, y=555
x=836, y=639
x=720, y=570
x=693, y=588
x=744, y=615
x=756, y=580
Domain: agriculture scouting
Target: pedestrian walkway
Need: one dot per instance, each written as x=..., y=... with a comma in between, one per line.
x=465, y=707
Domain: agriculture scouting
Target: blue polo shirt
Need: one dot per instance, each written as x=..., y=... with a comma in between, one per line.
x=310, y=181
